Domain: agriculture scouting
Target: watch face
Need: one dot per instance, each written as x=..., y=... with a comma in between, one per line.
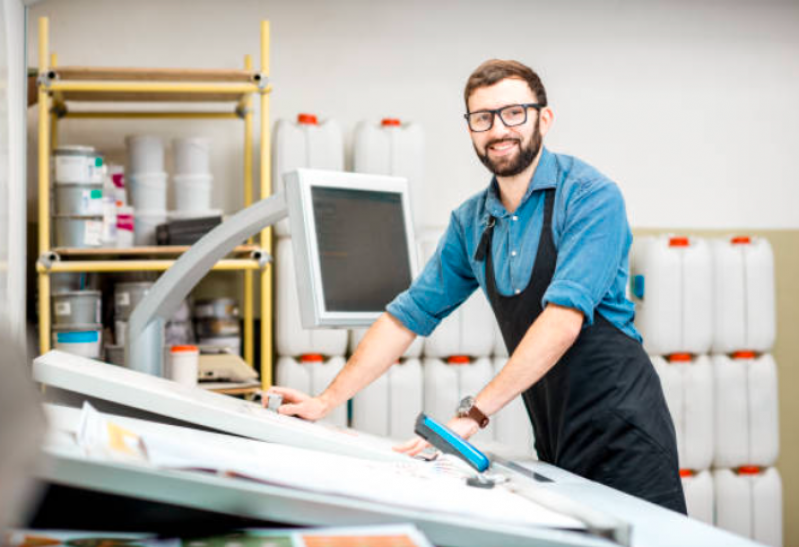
x=465, y=405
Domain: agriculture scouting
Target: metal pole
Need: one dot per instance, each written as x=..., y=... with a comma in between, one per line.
x=249, y=323
x=266, y=235
x=44, y=187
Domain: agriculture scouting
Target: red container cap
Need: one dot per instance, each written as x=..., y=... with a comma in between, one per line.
x=748, y=470
x=182, y=349
x=741, y=240
x=743, y=355
x=679, y=358
x=388, y=122
x=678, y=242
x=312, y=358
x=686, y=473
x=458, y=360
x=307, y=119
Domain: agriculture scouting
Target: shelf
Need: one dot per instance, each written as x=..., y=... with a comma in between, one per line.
x=157, y=250
x=153, y=265
x=83, y=73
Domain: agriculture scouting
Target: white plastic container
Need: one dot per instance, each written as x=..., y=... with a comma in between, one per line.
x=114, y=184
x=145, y=224
x=83, y=340
x=746, y=410
x=128, y=295
x=184, y=364
x=109, y=237
x=290, y=338
x=77, y=308
x=126, y=227
x=306, y=143
x=688, y=385
x=148, y=191
x=145, y=154
x=512, y=425
x=699, y=494
x=392, y=148
x=78, y=164
x=311, y=374
x=749, y=503
x=672, y=293
x=744, y=295
x=193, y=192
x=78, y=198
x=80, y=232
x=192, y=155
x=389, y=406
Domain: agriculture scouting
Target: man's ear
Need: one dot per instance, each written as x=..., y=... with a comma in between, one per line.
x=546, y=119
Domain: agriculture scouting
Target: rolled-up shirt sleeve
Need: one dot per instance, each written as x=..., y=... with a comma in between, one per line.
x=590, y=247
x=445, y=282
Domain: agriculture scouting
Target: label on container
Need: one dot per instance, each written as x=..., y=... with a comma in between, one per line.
x=72, y=169
x=93, y=233
x=123, y=299
x=92, y=202
x=63, y=308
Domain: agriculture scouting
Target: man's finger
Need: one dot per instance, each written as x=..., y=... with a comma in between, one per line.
x=420, y=446
x=290, y=409
x=407, y=445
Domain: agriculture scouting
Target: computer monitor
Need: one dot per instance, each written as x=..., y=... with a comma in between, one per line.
x=353, y=244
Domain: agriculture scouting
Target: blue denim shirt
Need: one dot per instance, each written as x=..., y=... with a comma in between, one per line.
x=590, y=232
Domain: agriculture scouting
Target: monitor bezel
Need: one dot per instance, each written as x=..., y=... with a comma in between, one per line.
x=299, y=185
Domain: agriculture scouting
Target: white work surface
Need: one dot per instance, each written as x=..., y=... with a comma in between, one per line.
x=370, y=495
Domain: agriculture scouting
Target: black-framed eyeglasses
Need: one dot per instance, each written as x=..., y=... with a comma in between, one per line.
x=511, y=115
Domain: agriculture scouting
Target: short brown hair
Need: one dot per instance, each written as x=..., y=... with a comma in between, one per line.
x=496, y=70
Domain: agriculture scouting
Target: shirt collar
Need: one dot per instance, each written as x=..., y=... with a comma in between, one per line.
x=545, y=176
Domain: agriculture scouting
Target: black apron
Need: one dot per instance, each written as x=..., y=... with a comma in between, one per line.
x=600, y=411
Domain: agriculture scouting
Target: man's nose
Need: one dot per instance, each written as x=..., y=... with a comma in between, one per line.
x=498, y=128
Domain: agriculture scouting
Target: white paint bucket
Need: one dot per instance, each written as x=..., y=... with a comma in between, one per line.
x=145, y=224
x=127, y=296
x=83, y=340
x=148, y=191
x=78, y=231
x=77, y=308
x=79, y=198
x=192, y=155
x=192, y=192
x=184, y=364
x=145, y=154
x=115, y=355
x=77, y=164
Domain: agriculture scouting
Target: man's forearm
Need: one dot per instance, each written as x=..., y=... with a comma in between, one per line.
x=545, y=342
x=382, y=346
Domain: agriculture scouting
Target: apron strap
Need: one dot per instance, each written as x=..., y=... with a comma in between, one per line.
x=485, y=240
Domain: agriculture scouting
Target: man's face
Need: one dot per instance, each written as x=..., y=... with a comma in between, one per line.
x=506, y=151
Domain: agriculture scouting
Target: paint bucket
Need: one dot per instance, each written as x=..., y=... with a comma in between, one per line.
x=192, y=155
x=78, y=231
x=127, y=296
x=115, y=355
x=145, y=224
x=77, y=307
x=216, y=308
x=148, y=191
x=79, y=198
x=184, y=364
x=83, y=340
x=192, y=192
x=125, y=227
x=73, y=164
x=145, y=154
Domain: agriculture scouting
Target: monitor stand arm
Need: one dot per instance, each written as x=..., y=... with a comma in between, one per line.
x=144, y=351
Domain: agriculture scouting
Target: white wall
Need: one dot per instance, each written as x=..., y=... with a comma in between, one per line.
x=690, y=106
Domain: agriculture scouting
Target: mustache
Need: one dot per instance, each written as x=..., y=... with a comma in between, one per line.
x=497, y=141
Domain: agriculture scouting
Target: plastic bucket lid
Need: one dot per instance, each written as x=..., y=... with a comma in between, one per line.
x=459, y=360
x=75, y=150
x=312, y=358
x=64, y=294
x=184, y=349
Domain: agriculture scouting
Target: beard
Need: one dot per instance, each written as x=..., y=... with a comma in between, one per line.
x=512, y=166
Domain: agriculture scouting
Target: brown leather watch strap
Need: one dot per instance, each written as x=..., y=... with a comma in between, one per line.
x=477, y=415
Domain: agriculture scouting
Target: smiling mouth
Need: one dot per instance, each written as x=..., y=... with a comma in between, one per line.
x=502, y=147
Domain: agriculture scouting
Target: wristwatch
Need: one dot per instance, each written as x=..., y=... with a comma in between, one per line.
x=467, y=409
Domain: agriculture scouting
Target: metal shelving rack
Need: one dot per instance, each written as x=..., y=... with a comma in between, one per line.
x=58, y=87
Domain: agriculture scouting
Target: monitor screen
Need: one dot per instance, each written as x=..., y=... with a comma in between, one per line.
x=353, y=244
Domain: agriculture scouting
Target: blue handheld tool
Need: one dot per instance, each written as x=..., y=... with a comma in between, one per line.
x=449, y=442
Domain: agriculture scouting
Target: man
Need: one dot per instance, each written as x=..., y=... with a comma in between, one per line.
x=548, y=242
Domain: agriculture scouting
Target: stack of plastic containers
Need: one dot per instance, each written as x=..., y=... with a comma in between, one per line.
x=308, y=359
x=148, y=188
x=217, y=323
x=78, y=191
x=127, y=295
x=192, y=178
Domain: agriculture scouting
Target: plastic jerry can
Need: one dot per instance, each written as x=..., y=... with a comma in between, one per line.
x=746, y=410
x=749, y=503
x=688, y=385
x=744, y=300
x=672, y=292
x=290, y=337
x=699, y=494
x=311, y=374
x=392, y=148
x=306, y=143
x=414, y=351
x=389, y=405
x=512, y=425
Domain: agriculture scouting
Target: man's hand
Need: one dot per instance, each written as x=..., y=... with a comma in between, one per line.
x=302, y=405
x=463, y=427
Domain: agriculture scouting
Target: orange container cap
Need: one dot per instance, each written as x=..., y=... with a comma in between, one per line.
x=312, y=358
x=748, y=470
x=743, y=355
x=678, y=242
x=307, y=119
x=181, y=349
x=741, y=240
x=679, y=358
x=458, y=360
x=686, y=473
x=388, y=122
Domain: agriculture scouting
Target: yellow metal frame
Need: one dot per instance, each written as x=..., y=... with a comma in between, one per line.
x=53, y=95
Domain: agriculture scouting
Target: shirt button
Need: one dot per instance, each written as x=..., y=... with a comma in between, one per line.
x=513, y=253
x=518, y=291
x=515, y=218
